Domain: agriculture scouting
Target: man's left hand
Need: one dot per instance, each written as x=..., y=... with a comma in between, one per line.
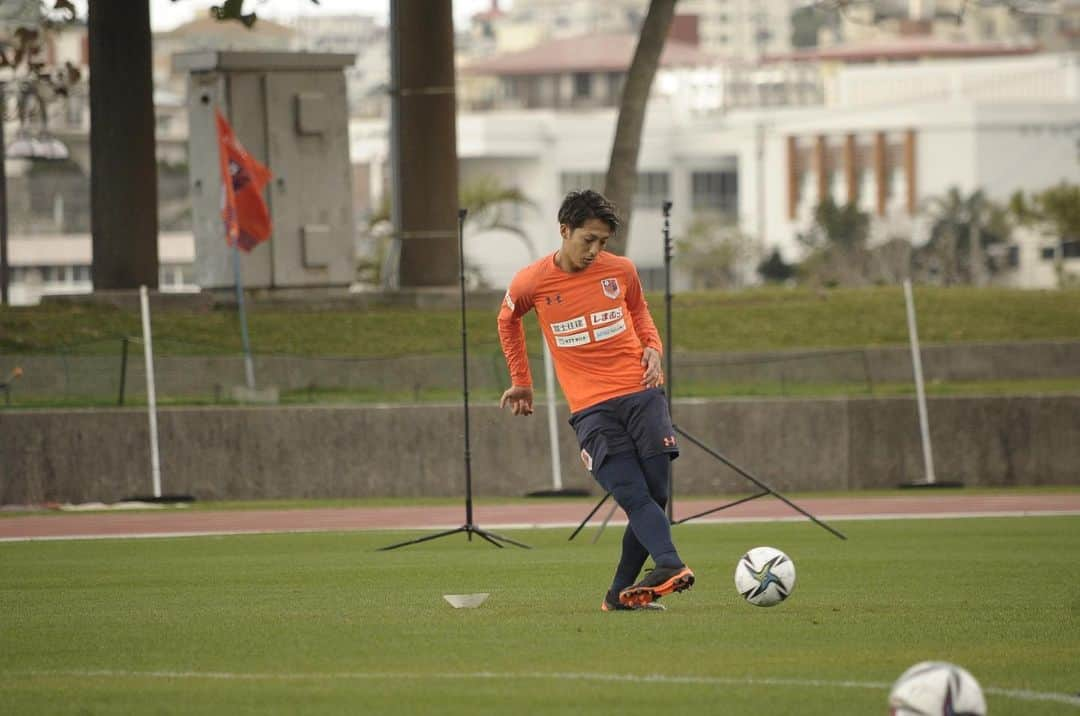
x=653, y=375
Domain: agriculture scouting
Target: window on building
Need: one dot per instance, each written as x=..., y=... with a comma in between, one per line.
x=836, y=172
x=1012, y=256
x=864, y=168
x=82, y=274
x=894, y=171
x=715, y=191
x=174, y=277
x=652, y=189
x=894, y=185
x=576, y=181
x=615, y=84
x=1070, y=249
x=582, y=85
x=1046, y=253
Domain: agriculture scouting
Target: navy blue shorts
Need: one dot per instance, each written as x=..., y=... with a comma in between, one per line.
x=638, y=423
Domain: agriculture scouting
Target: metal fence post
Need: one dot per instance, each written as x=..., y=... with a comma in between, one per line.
x=123, y=369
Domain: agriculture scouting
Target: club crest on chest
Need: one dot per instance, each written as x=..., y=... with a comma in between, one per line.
x=611, y=287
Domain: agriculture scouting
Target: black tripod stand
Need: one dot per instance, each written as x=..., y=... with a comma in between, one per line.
x=469, y=528
x=763, y=487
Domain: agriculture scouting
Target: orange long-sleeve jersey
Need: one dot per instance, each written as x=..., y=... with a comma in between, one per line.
x=595, y=321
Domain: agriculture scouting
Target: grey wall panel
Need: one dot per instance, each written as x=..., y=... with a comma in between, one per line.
x=278, y=452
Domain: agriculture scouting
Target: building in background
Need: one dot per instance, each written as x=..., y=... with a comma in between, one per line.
x=745, y=129
x=742, y=30
x=573, y=73
x=756, y=143
x=887, y=137
x=1053, y=27
x=528, y=23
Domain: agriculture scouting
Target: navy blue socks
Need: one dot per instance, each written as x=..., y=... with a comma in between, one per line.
x=641, y=490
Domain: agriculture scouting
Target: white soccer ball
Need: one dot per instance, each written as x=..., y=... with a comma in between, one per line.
x=934, y=688
x=765, y=576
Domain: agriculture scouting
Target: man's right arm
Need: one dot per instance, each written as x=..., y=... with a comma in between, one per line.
x=516, y=303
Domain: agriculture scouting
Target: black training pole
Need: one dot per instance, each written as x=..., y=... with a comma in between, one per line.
x=669, y=383
x=669, y=374
x=765, y=489
x=469, y=528
x=589, y=516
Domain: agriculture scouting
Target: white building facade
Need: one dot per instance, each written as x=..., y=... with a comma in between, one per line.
x=60, y=265
x=767, y=169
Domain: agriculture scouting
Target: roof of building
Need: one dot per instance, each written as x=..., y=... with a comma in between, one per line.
x=902, y=48
x=584, y=53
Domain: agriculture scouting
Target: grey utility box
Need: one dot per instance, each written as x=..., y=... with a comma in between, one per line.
x=289, y=111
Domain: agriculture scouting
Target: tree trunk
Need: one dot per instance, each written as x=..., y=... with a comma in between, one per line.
x=978, y=262
x=123, y=166
x=952, y=270
x=424, y=142
x=621, y=181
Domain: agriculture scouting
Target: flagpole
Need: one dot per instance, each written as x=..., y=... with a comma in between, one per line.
x=256, y=176
x=249, y=365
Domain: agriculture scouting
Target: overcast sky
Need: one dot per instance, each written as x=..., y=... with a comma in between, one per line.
x=165, y=14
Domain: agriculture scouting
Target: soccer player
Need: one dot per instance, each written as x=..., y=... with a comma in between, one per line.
x=607, y=351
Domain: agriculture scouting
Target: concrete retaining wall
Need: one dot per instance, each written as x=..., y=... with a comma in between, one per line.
x=888, y=364
x=281, y=452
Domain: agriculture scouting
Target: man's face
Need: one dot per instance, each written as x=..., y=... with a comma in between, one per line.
x=582, y=245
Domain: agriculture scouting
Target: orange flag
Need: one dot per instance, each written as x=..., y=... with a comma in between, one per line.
x=243, y=209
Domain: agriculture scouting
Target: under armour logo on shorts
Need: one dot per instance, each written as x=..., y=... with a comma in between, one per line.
x=586, y=458
x=669, y=441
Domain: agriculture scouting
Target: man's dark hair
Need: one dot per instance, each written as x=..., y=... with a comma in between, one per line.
x=580, y=206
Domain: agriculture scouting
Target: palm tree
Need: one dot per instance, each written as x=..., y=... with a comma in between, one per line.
x=621, y=181
x=487, y=201
x=962, y=228
x=844, y=226
x=837, y=245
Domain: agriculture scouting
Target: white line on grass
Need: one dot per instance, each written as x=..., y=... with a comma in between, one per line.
x=538, y=526
x=1016, y=694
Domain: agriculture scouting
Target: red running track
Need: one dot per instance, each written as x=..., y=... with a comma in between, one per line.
x=175, y=522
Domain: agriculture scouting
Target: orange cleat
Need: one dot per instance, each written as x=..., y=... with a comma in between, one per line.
x=658, y=582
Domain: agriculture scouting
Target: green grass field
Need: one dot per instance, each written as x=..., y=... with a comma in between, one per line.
x=323, y=623
x=762, y=319
x=747, y=320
